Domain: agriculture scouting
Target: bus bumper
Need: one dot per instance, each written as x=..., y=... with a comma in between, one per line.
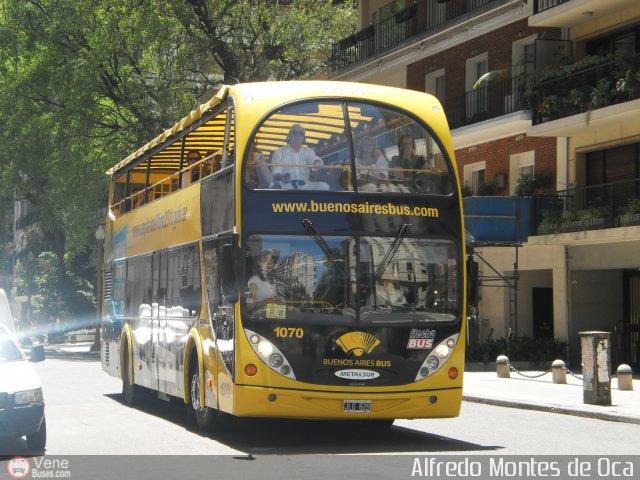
x=273, y=402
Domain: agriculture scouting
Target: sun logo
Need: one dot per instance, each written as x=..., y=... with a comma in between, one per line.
x=357, y=343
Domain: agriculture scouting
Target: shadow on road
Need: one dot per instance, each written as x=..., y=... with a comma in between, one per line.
x=266, y=436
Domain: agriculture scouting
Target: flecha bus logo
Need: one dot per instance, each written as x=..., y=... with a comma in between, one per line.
x=18, y=467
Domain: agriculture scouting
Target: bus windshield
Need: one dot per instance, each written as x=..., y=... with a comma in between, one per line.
x=346, y=146
x=346, y=279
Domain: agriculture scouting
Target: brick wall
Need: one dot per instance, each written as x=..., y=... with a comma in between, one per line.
x=497, y=153
x=497, y=44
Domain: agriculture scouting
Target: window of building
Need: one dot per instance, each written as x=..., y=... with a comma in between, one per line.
x=476, y=99
x=434, y=84
x=520, y=164
x=475, y=175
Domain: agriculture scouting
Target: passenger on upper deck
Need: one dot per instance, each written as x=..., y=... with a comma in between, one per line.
x=293, y=163
x=258, y=172
x=371, y=164
x=405, y=165
x=193, y=173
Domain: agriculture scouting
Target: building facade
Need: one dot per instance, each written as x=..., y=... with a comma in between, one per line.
x=543, y=98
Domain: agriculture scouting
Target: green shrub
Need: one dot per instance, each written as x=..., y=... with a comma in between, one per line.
x=518, y=349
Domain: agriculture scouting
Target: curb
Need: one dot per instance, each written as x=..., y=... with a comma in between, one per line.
x=610, y=417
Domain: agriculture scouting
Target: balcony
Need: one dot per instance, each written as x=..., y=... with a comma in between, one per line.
x=570, y=13
x=422, y=17
x=589, y=84
x=498, y=98
x=607, y=205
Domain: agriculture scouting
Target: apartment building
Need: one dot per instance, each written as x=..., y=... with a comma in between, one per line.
x=533, y=90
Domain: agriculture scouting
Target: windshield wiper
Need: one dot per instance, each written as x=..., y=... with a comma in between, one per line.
x=402, y=232
x=326, y=249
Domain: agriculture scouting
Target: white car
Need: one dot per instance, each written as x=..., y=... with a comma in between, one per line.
x=21, y=400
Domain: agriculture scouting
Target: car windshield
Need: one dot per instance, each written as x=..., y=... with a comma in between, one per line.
x=347, y=279
x=354, y=146
x=9, y=351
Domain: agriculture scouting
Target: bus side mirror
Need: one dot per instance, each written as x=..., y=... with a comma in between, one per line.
x=229, y=272
x=472, y=282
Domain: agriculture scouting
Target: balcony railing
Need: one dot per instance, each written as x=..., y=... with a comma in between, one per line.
x=499, y=97
x=607, y=83
x=421, y=17
x=542, y=5
x=589, y=208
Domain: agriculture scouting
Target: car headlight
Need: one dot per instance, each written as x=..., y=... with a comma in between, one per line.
x=28, y=396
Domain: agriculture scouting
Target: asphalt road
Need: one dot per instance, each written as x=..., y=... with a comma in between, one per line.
x=86, y=420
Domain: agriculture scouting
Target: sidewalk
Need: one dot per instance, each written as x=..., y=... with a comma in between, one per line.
x=542, y=394
x=64, y=350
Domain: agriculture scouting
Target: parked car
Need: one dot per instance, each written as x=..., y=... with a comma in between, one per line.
x=21, y=399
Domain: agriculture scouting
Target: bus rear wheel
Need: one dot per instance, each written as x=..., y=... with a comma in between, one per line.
x=202, y=414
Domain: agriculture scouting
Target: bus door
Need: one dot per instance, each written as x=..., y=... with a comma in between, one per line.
x=212, y=295
x=159, y=319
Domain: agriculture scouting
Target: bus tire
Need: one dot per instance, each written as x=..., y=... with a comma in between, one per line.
x=202, y=414
x=130, y=391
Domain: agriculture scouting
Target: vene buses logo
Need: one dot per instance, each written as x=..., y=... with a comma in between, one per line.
x=357, y=343
x=18, y=467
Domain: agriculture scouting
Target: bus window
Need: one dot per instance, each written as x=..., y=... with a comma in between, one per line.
x=288, y=141
x=309, y=146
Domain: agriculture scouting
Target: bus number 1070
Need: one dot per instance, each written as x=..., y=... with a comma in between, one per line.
x=288, y=332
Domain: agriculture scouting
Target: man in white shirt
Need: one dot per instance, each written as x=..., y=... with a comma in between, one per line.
x=292, y=164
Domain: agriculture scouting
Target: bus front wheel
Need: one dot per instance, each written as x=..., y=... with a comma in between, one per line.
x=203, y=415
x=130, y=391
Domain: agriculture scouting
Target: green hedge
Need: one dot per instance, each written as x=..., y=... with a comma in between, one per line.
x=537, y=350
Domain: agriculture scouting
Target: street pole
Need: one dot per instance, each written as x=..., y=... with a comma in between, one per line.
x=30, y=259
x=99, y=273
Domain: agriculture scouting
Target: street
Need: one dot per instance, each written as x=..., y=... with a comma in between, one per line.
x=85, y=416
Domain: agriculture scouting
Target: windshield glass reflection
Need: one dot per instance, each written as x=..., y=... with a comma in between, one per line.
x=339, y=279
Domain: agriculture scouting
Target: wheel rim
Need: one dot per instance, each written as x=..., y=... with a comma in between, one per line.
x=195, y=392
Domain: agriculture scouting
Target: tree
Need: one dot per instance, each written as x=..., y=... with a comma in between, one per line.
x=84, y=82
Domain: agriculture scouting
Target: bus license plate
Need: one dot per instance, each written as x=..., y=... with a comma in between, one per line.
x=357, y=406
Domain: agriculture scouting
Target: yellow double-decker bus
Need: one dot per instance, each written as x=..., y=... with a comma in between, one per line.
x=291, y=249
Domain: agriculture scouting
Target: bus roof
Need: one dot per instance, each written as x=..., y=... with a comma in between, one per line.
x=187, y=121
x=258, y=92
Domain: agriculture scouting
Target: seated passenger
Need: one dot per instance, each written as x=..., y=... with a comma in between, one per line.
x=292, y=164
x=193, y=173
x=371, y=164
x=405, y=165
x=258, y=172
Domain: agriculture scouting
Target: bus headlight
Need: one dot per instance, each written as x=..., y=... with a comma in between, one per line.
x=437, y=358
x=269, y=354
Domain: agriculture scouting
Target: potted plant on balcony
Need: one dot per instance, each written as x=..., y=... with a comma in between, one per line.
x=550, y=222
x=630, y=213
x=549, y=107
x=628, y=85
x=601, y=93
x=575, y=101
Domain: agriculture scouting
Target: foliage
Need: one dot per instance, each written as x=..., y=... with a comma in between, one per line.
x=466, y=190
x=549, y=106
x=487, y=189
x=82, y=84
x=538, y=350
x=529, y=184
